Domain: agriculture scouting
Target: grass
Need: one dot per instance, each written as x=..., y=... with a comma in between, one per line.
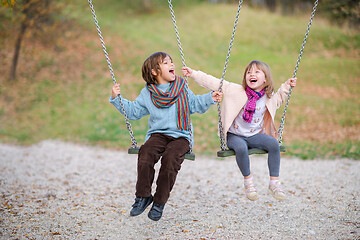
x=62, y=93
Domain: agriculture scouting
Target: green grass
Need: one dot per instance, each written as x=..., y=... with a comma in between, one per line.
x=76, y=108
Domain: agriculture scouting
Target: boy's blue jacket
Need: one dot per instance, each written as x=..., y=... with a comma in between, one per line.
x=162, y=120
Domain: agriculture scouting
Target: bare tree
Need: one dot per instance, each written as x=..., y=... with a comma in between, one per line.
x=32, y=15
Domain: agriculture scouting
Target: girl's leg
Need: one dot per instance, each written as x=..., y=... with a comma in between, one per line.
x=240, y=146
x=171, y=161
x=271, y=145
x=149, y=155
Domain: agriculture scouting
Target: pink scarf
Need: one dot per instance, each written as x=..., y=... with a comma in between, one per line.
x=251, y=104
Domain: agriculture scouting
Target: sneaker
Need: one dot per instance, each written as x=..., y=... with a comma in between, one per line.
x=140, y=205
x=250, y=190
x=156, y=211
x=276, y=191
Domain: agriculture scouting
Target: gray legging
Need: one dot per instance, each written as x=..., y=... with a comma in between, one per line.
x=262, y=141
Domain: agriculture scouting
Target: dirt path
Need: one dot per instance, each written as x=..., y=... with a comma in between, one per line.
x=57, y=190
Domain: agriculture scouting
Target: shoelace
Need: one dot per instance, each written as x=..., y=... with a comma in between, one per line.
x=250, y=187
x=276, y=187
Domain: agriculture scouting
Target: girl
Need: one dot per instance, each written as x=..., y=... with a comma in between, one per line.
x=164, y=98
x=247, y=115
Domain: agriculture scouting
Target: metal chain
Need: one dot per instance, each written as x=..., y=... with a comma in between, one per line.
x=183, y=63
x=282, y=122
x=221, y=130
x=128, y=125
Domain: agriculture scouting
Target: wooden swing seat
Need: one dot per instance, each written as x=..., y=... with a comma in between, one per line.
x=135, y=150
x=229, y=152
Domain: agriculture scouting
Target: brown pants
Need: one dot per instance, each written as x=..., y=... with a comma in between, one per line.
x=173, y=152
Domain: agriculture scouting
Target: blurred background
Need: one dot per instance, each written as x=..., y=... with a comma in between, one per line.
x=55, y=82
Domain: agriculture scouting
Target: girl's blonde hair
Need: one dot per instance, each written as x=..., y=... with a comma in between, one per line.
x=269, y=85
x=153, y=62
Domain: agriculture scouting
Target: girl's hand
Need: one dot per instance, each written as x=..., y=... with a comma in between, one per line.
x=115, y=90
x=217, y=96
x=291, y=82
x=186, y=71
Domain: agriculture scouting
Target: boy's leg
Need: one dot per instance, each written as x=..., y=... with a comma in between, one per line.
x=240, y=146
x=149, y=155
x=171, y=161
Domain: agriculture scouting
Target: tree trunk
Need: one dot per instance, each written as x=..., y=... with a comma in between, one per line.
x=19, y=39
x=146, y=6
x=271, y=5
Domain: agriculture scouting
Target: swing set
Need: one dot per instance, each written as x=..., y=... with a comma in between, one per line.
x=224, y=152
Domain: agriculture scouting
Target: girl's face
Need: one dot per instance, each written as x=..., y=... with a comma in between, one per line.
x=255, y=79
x=167, y=74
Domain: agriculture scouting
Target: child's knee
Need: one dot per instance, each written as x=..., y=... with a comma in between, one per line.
x=172, y=161
x=273, y=145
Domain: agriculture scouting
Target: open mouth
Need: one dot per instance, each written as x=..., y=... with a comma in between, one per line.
x=172, y=72
x=253, y=80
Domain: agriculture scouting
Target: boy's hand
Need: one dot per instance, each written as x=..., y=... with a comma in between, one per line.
x=186, y=71
x=291, y=82
x=115, y=90
x=217, y=96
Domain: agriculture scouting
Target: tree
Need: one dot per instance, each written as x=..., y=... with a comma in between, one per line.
x=146, y=5
x=33, y=15
x=343, y=11
x=8, y=3
x=271, y=5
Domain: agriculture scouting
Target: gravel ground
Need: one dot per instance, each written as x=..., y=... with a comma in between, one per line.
x=57, y=190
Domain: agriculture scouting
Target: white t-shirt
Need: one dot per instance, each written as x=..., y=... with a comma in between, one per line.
x=245, y=129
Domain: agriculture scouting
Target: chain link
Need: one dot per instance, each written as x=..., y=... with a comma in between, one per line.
x=282, y=122
x=183, y=63
x=128, y=125
x=221, y=129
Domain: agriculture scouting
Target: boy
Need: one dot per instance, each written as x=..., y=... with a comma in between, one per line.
x=169, y=105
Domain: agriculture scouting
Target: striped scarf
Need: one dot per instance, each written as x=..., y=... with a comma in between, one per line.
x=175, y=94
x=253, y=96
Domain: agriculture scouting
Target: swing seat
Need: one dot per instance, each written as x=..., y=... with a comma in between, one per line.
x=135, y=150
x=229, y=152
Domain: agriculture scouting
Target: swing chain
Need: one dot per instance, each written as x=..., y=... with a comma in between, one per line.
x=221, y=130
x=128, y=125
x=282, y=122
x=230, y=45
x=183, y=63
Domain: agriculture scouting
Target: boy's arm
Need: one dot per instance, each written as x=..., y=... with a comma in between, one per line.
x=134, y=109
x=200, y=103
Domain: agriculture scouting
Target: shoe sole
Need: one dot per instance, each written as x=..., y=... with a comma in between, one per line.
x=147, y=204
x=154, y=219
x=253, y=198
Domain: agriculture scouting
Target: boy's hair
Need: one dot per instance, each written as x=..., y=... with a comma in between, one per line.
x=269, y=85
x=153, y=62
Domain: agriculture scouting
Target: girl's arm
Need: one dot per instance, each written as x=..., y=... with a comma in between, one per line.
x=283, y=91
x=205, y=80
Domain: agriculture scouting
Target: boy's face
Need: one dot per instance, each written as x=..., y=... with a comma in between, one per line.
x=255, y=78
x=167, y=74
